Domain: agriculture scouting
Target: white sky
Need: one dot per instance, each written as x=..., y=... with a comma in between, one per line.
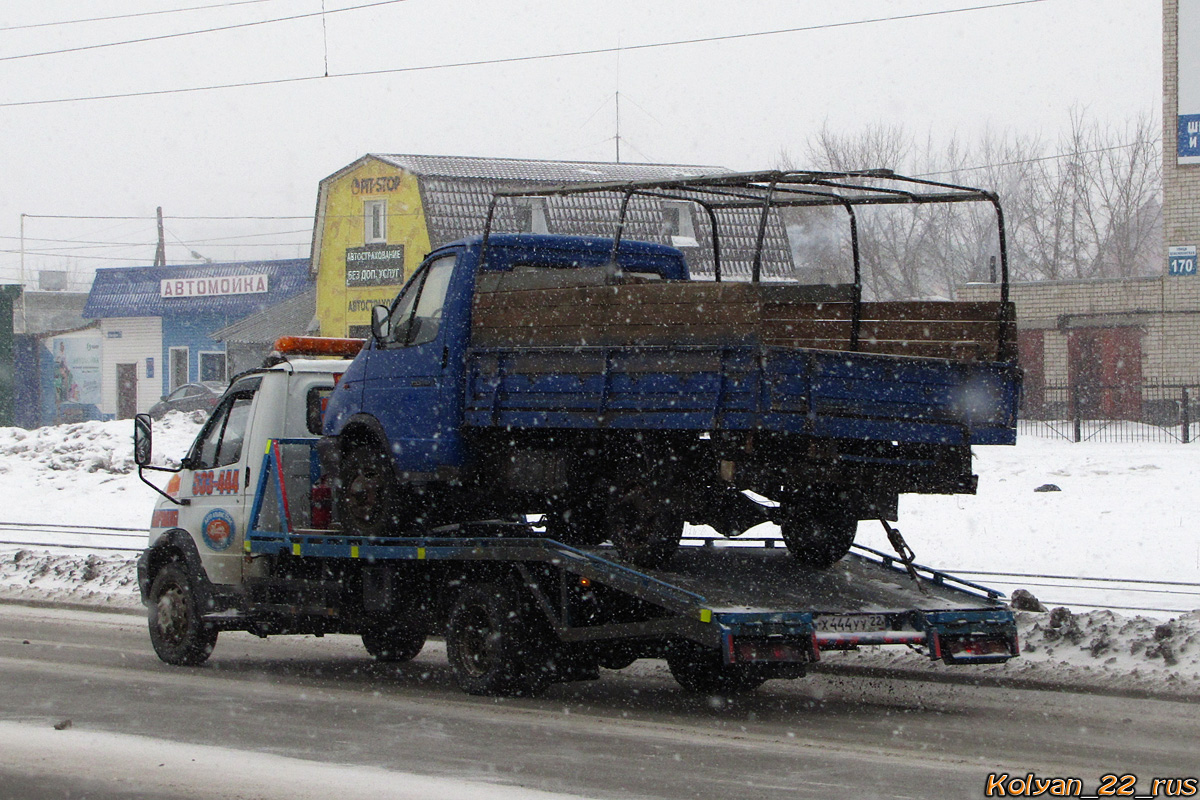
x=737, y=103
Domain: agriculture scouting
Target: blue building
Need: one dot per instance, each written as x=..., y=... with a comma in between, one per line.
x=156, y=323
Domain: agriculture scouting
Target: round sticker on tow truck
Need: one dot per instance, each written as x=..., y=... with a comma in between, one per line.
x=218, y=529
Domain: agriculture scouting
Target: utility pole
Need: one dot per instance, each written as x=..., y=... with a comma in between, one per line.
x=24, y=288
x=160, y=255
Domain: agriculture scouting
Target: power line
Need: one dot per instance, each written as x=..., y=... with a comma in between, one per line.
x=165, y=216
x=180, y=34
x=516, y=59
x=1034, y=158
x=45, y=254
x=131, y=16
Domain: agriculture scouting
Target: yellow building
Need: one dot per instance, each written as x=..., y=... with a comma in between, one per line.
x=378, y=217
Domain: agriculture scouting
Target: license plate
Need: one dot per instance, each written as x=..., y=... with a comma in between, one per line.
x=852, y=623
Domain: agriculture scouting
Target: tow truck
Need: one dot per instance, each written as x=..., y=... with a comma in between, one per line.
x=244, y=538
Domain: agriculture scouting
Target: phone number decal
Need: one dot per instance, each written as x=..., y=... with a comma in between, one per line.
x=208, y=482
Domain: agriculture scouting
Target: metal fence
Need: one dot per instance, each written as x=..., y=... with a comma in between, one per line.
x=1137, y=412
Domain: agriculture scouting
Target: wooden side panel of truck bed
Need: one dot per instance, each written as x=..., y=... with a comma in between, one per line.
x=694, y=313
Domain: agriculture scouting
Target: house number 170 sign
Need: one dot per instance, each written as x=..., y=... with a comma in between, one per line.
x=1181, y=260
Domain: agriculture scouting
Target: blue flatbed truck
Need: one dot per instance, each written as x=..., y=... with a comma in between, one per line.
x=595, y=381
x=518, y=611
x=418, y=524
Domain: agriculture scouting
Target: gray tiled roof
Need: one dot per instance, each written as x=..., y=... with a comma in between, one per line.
x=524, y=170
x=456, y=191
x=292, y=317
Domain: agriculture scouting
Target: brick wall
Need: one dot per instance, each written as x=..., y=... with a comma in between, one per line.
x=1166, y=310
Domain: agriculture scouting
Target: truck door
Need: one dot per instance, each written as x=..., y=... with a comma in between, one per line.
x=406, y=385
x=214, y=478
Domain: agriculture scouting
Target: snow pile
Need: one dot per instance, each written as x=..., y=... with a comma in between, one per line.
x=107, y=580
x=1095, y=650
x=83, y=473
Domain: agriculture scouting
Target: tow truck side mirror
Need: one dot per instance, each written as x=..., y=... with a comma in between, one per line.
x=142, y=439
x=381, y=323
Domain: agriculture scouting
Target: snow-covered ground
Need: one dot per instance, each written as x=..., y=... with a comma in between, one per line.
x=83, y=474
x=1120, y=513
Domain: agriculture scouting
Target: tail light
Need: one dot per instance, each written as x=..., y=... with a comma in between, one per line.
x=321, y=499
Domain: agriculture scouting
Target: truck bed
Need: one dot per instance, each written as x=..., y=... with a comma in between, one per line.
x=816, y=392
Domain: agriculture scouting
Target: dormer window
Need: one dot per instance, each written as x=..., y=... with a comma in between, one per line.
x=530, y=213
x=677, y=227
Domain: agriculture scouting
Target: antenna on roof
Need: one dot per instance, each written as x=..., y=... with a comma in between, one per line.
x=617, y=138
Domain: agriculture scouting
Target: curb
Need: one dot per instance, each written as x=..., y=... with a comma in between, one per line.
x=68, y=606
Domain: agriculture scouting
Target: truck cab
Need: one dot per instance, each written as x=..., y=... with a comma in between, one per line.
x=205, y=509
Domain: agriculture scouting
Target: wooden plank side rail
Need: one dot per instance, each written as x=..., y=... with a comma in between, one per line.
x=685, y=313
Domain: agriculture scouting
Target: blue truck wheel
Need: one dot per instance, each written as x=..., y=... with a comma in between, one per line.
x=644, y=527
x=367, y=493
x=819, y=536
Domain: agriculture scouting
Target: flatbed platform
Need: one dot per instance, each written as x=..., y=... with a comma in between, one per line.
x=716, y=593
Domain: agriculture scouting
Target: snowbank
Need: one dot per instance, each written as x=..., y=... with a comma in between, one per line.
x=104, y=580
x=83, y=474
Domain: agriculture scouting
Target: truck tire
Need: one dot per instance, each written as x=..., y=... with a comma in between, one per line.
x=700, y=670
x=491, y=647
x=644, y=529
x=366, y=494
x=582, y=525
x=818, y=537
x=177, y=632
x=393, y=645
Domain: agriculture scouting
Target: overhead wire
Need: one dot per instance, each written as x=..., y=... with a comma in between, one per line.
x=516, y=59
x=1033, y=159
x=132, y=15
x=180, y=34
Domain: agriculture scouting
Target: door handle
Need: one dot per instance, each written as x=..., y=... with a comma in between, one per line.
x=421, y=382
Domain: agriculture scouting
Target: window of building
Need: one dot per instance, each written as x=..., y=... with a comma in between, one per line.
x=212, y=367
x=677, y=226
x=178, y=367
x=375, y=221
x=530, y=214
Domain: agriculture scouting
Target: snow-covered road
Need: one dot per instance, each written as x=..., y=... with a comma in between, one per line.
x=321, y=703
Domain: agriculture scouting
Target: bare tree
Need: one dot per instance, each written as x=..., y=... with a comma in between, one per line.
x=1087, y=206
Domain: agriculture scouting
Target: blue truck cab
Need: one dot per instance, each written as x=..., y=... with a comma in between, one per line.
x=407, y=386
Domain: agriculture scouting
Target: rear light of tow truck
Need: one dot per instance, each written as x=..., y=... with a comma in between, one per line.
x=974, y=649
x=321, y=500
